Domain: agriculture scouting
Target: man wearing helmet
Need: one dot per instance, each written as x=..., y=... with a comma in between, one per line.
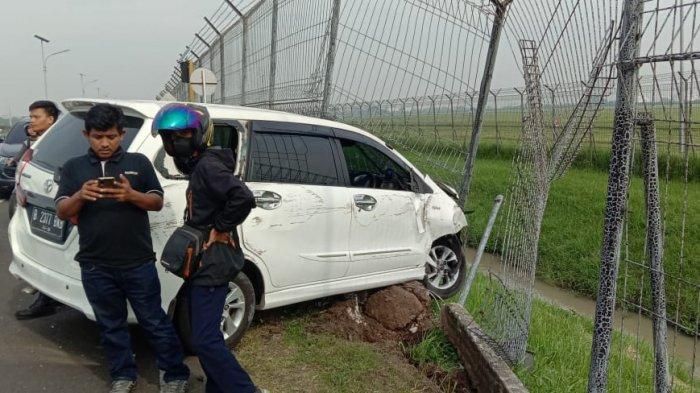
x=217, y=202
x=116, y=253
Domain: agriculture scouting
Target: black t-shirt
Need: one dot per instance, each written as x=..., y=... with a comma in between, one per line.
x=114, y=234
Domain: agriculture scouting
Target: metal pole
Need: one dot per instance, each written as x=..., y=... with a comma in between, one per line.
x=499, y=17
x=495, y=118
x=618, y=184
x=330, y=58
x=204, y=87
x=43, y=60
x=222, y=61
x=522, y=107
x=82, y=83
x=682, y=109
x=655, y=249
x=480, y=251
x=273, y=54
x=190, y=92
x=244, y=49
x=552, y=91
x=244, y=60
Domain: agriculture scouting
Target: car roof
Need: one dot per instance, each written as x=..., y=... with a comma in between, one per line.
x=149, y=108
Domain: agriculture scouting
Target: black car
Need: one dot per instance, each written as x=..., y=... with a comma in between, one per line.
x=9, y=147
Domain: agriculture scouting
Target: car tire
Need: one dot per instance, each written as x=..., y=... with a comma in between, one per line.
x=446, y=267
x=11, y=206
x=233, y=326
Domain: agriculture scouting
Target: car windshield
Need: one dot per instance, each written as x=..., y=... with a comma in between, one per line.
x=65, y=140
x=17, y=133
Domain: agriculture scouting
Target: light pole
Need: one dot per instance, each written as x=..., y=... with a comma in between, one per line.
x=83, y=84
x=45, y=58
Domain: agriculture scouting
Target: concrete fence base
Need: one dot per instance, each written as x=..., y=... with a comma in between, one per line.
x=486, y=371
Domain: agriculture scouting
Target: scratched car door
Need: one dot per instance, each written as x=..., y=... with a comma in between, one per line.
x=301, y=226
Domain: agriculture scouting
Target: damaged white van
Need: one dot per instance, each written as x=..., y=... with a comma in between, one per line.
x=337, y=211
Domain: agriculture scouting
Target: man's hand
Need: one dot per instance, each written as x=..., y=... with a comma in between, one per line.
x=123, y=191
x=219, y=237
x=90, y=191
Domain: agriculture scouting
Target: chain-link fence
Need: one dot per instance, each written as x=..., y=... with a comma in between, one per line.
x=411, y=72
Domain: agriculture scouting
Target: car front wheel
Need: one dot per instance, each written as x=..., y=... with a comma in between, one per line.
x=236, y=315
x=445, y=268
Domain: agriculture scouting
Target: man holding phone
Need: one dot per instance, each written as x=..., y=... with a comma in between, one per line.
x=110, y=192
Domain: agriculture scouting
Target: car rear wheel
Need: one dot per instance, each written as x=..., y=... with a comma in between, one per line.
x=236, y=315
x=445, y=268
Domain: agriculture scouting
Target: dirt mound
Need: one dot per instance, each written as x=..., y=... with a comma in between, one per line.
x=397, y=313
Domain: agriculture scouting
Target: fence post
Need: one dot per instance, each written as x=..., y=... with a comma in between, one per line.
x=683, y=104
x=498, y=19
x=330, y=58
x=495, y=119
x=618, y=184
x=244, y=49
x=522, y=107
x=452, y=117
x=553, y=92
x=273, y=53
x=222, y=83
x=655, y=248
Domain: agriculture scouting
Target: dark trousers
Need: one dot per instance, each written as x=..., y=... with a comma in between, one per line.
x=224, y=373
x=108, y=289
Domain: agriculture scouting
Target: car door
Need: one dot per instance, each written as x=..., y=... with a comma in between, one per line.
x=387, y=231
x=301, y=225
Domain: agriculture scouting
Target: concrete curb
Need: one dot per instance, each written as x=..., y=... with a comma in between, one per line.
x=486, y=371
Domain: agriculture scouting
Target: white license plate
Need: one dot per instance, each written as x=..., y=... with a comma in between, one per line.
x=46, y=224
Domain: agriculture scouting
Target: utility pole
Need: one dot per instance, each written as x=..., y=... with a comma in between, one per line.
x=44, y=59
x=84, y=84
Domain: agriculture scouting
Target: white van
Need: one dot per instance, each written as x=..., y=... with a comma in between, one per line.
x=338, y=211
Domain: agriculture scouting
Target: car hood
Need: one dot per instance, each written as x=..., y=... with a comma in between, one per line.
x=9, y=150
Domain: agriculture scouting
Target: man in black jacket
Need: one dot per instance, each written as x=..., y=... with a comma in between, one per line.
x=217, y=202
x=42, y=115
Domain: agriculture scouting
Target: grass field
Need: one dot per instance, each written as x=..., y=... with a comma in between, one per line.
x=569, y=249
x=560, y=342
x=503, y=127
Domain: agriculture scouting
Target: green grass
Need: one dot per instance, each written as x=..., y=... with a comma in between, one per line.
x=289, y=356
x=561, y=342
x=569, y=249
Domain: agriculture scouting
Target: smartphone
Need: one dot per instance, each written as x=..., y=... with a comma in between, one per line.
x=105, y=182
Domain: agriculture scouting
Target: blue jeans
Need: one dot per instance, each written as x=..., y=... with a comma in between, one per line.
x=108, y=289
x=224, y=373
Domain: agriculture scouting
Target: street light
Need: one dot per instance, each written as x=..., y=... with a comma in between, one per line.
x=83, y=84
x=45, y=58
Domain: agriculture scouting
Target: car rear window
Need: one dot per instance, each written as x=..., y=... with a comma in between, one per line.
x=17, y=133
x=65, y=140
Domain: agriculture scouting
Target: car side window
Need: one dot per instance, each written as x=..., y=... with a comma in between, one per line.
x=292, y=158
x=370, y=168
x=165, y=165
x=224, y=135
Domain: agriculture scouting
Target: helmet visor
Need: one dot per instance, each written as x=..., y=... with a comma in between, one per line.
x=177, y=119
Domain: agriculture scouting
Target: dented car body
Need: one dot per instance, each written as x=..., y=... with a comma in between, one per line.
x=338, y=211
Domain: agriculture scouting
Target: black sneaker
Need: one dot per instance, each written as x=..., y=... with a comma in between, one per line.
x=42, y=306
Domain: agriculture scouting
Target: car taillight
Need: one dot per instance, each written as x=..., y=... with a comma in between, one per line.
x=23, y=162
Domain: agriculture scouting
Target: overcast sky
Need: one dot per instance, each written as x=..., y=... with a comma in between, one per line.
x=130, y=46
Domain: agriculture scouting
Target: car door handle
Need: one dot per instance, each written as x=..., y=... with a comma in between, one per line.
x=365, y=202
x=267, y=200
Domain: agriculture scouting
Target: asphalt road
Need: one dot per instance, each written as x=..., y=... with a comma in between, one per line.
x=60, y=353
